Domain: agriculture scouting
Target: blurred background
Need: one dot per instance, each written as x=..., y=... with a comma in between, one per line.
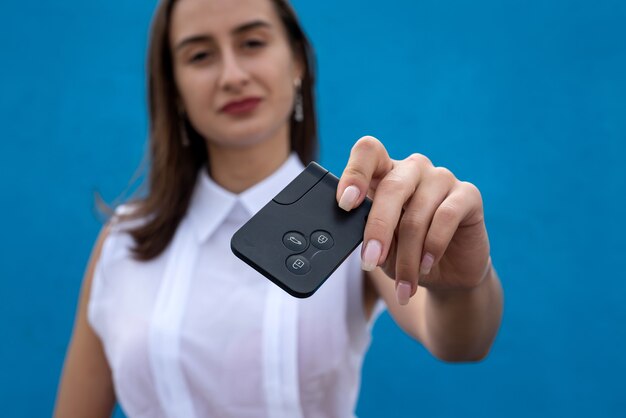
x=526, y=99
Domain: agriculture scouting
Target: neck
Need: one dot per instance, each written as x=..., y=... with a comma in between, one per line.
x=239, y=168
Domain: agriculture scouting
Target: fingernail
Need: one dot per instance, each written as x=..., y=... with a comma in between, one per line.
x=427, y=264
x=403, y=292
x=349, y=197
x=371, y=255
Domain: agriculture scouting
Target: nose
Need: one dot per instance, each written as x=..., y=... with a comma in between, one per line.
x=233, y=77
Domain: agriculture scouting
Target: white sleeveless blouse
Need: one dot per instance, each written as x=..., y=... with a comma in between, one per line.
x=195, y=332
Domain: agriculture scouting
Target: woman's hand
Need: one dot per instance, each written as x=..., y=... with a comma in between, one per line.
x=425, y=227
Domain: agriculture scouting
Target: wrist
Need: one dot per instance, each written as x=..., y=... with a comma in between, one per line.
x=485, y=281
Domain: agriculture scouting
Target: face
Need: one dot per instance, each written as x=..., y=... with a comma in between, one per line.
x=234, y=69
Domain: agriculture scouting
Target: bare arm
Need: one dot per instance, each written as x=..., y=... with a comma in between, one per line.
x=462, y=324
x=455, y=325
x=86, y=387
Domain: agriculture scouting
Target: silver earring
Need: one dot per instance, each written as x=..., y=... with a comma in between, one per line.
x=183, y=129
x=298, y=113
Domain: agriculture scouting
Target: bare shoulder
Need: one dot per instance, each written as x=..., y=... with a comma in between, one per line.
x=86, y=387
x=96, y=253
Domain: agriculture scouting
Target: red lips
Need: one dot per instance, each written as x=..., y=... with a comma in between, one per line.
x=241, y=106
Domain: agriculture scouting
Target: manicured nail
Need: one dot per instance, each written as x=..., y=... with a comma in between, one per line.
x=371, y=255
x=403, y=292
x=349, y=197
x=427, y=264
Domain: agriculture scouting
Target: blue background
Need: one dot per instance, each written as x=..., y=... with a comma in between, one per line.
x=526, y=99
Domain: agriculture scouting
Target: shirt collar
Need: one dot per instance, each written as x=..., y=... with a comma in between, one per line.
x=211, y=203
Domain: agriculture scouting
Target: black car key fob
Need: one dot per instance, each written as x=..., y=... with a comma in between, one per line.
x=301, y=236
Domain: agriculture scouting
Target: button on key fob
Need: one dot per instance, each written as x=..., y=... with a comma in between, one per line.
x=301, y=236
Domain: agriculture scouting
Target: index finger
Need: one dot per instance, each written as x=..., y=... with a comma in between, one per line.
x=368, y=163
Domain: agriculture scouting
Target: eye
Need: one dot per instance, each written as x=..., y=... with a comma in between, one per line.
x=253, y=44
x=200, y=56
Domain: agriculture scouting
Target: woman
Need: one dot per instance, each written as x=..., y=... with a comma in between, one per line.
x=170, y=323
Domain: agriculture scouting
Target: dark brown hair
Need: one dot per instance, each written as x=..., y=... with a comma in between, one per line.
x=172, y=167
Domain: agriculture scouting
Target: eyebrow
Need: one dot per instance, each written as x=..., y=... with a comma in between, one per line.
x=239, y=29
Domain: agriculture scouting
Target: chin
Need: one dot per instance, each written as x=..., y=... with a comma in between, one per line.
x=240, y=139
x=244, y=135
